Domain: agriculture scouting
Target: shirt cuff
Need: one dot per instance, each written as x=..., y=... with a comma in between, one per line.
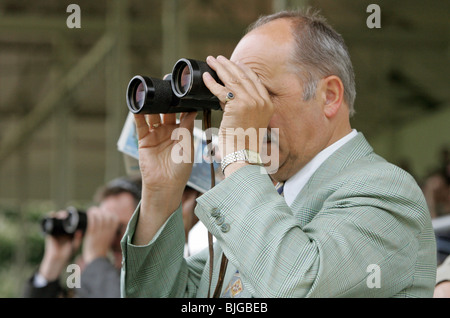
x=39, y=281
x=443, y=271
x=131, y=228
x=223, y=205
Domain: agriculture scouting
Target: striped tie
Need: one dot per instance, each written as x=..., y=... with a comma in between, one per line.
x=280, y=188
x=235, y=287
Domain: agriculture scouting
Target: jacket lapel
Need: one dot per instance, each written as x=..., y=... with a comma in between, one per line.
x=309, y=201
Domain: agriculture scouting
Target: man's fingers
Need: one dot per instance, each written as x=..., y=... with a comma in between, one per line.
x=154, y=120
x=255, y=80
x=238, y=79
x=215, y=88
x=77, y=240
x=141, y=125
x=187, y=120
x=169, y=119
x=146, y=123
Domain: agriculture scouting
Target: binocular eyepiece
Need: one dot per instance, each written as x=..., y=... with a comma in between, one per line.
x=182, y=91
x=75, y=220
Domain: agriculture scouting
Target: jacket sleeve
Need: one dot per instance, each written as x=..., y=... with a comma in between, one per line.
x=358, y=224
x=51, y=290
x=158, y=269
x=443, y=271
x=100, y=279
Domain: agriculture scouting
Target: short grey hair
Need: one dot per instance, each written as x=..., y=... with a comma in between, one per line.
x=319, y=52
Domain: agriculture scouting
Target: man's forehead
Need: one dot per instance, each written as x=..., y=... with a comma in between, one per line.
x=268, y=44
x=268, y=36
x=279, y=29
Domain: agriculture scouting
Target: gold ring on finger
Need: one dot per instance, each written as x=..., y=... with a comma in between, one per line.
x=230, y=96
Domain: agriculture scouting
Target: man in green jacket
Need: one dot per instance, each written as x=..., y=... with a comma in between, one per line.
x=348, y=224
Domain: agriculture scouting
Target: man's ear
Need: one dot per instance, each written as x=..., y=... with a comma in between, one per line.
x=332, y=94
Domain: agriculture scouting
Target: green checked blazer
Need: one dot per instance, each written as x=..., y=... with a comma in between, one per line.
x=358, y=218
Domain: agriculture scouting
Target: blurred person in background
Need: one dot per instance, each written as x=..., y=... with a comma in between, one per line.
x=437, y=188
x=442, y=289
x=437, y=192
x=101, y=255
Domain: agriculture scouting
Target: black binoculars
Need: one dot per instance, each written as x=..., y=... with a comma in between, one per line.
x=181, y=91
x=75, y=220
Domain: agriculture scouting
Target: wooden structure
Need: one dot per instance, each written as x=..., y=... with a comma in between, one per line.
x=62, y=91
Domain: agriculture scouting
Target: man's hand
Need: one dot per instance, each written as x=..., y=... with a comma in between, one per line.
x=164, y=178
x=442, y=290
x=247, y=114
x=58, y=251
x=101, y=230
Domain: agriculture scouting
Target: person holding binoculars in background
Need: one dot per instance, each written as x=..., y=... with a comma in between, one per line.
x=100, y=260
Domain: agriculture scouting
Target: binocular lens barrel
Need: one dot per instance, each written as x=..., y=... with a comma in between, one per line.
x=187, y=81
x=139, y=97
x=136, y=93
x=184, y=82
x=75, y=220
x=146, y=93
x=182, y=91
x=183, y=78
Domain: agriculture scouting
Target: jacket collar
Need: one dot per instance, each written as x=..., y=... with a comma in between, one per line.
x=353, y=150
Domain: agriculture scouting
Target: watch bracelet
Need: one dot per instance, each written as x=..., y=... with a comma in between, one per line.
x=240, y=155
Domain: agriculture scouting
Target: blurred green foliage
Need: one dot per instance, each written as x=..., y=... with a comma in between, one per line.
x=21, y=245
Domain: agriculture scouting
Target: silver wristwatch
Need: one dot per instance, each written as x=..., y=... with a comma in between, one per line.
x=249, y=156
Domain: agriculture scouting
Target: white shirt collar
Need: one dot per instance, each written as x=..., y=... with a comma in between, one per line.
x=295, y=184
